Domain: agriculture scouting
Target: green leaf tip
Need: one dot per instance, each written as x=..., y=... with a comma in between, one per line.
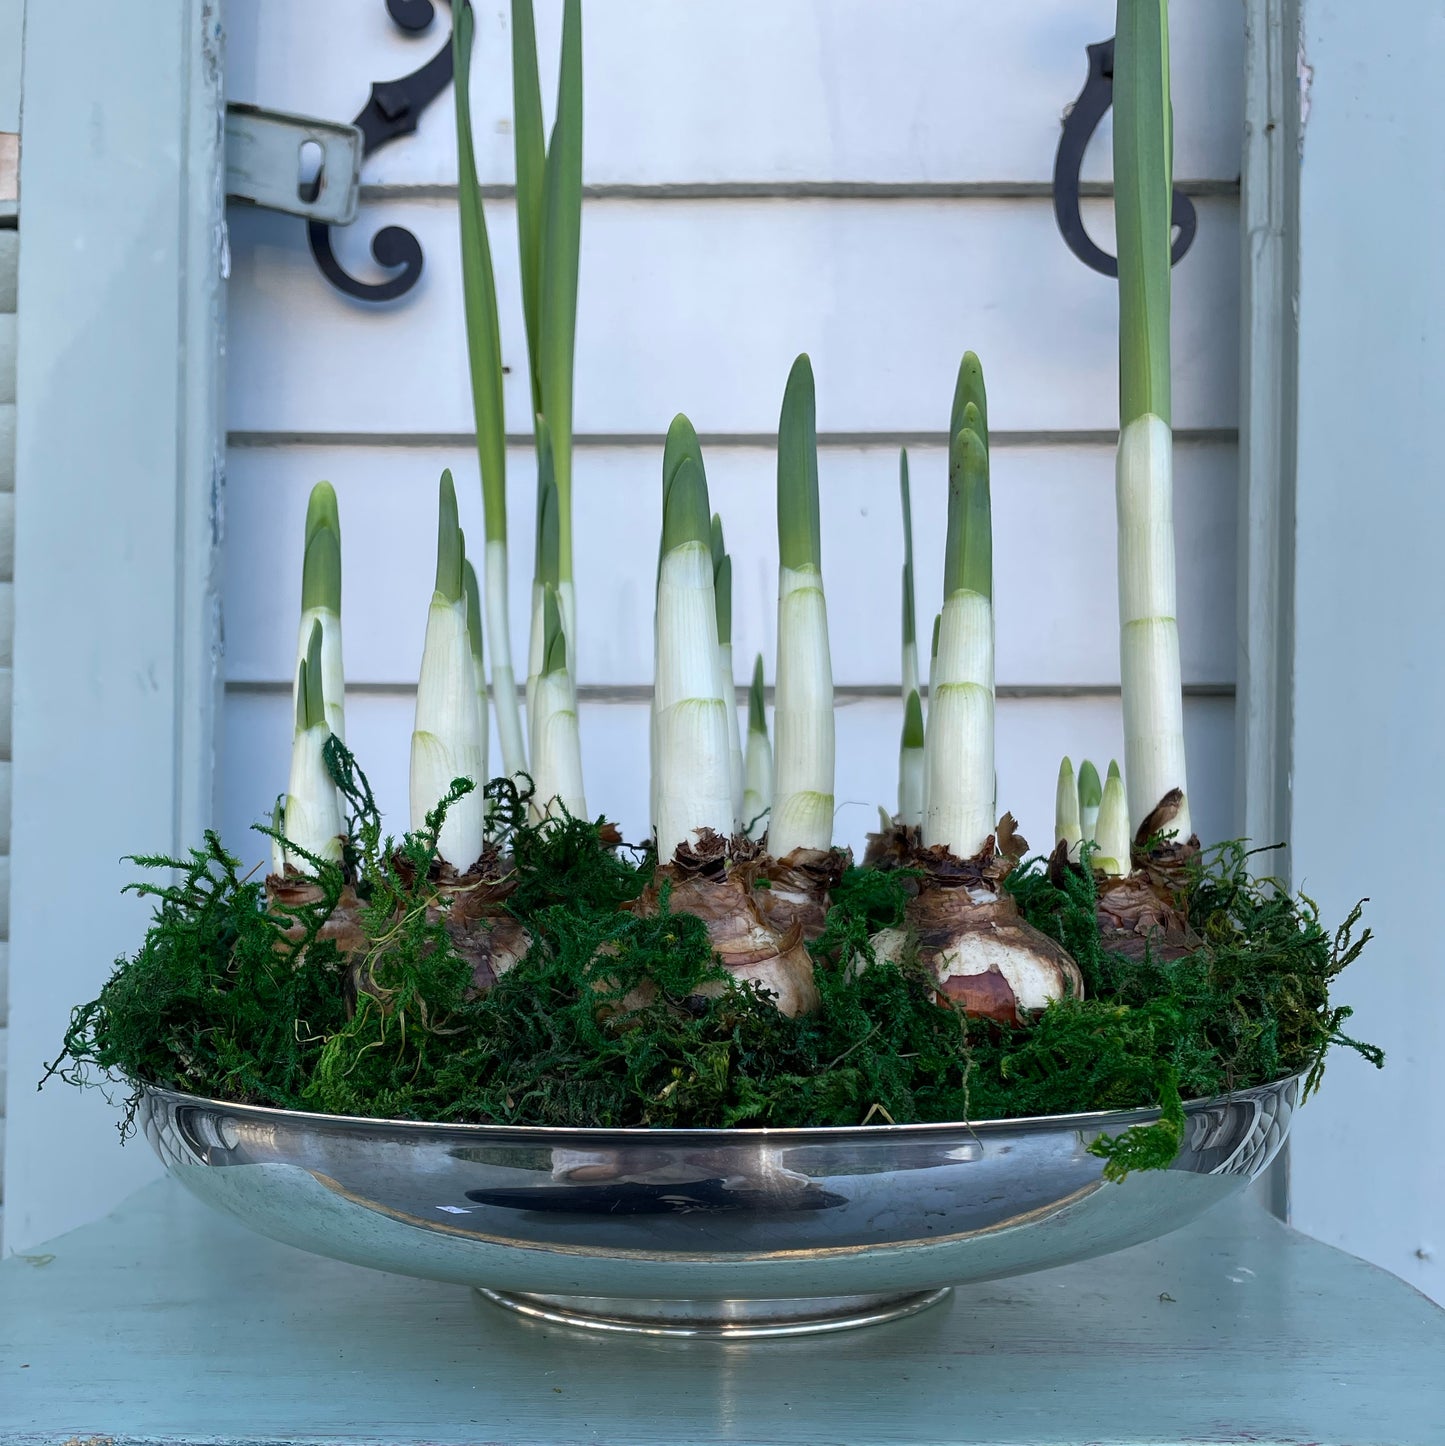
x=449, y=542
x=722, y=591
x=1091, y=791
x=969, y=388
x=322, y=511
x=474, y=611
x=913, y=721
x=968, y=550
x=1114, y=770
x=1143, y=206
x=310, y=696
x=799, y=530
x=937, y=627
x=321, y=568
x=531, y=163
x=681, y=443
x=685, y=515
x=479, y=295
x=554, y=639
x=757, y=717
x=719, y=551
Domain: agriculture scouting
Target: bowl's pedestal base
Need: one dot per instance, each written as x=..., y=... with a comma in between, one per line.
x=717, y=1319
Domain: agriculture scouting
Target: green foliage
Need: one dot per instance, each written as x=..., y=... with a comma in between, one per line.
x=615, y=1019
x=217, y=1001
x=1251, y=1006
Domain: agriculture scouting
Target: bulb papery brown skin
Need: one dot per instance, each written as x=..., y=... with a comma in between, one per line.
x=965, y=930
x=893, y=845
x=798, y=888
x=709, y=881
x=482, y=931
x=472, y=909
x=292, y=890
x=1144, y=910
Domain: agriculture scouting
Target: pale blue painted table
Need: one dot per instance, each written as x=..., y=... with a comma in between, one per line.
x=165, y=1323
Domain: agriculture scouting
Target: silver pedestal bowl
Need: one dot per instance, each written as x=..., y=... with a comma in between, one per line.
x=728, y=1233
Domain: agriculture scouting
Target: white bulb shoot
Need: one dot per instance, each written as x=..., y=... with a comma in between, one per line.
x=722, y=579
x=1091, y=795
x=556, y=738
x=1112, y=834
x=694, y=748
x=446, y=742
x=758, y=769
x=479, y=671
x=803, y=762
x=312, y=812
x=1143, y=198
x=959, y=774
x=1067, y=829
x=321, y=603
x=1148, y=631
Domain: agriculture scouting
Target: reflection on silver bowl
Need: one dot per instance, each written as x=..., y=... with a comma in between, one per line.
x=706, y=1232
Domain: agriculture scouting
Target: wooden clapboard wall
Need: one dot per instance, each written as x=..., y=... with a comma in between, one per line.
x=866, y=182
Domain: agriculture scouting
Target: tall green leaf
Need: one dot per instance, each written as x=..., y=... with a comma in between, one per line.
x=1143, y=198
x=968, y=551
x=910, y=626
x=561, y=244
x=479, y=293
x=531, y=153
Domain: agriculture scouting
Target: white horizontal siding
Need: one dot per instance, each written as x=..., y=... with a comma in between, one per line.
x=701, y=306
x=685, y=91
x=1054, y=556
x=1033, y=733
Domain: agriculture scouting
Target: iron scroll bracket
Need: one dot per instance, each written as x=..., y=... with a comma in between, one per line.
x=1080, y=124
x=393, y=109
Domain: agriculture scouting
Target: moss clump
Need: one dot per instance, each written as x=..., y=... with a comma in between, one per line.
x=619, y=1020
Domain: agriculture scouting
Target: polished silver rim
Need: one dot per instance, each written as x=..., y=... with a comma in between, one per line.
x=755, y=1319
x=1107, y=1120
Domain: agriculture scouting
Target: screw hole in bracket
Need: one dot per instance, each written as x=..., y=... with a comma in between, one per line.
x=310, y=173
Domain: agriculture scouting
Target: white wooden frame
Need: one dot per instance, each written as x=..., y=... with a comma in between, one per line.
x=1368, y=686
x=1264, y=607
x=119, y=455
x=1269, y=282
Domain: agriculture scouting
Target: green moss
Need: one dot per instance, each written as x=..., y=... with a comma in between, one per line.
x=604, y=1022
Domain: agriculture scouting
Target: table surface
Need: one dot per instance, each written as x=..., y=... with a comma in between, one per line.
x=167, y=1323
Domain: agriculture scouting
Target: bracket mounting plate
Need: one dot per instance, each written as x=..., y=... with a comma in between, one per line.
x=268, y=163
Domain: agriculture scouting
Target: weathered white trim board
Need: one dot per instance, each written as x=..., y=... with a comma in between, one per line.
x=1368, y=806
x=118, y=474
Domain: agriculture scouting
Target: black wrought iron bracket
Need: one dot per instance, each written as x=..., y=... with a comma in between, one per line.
x=394, y=109
x=1079, y=125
